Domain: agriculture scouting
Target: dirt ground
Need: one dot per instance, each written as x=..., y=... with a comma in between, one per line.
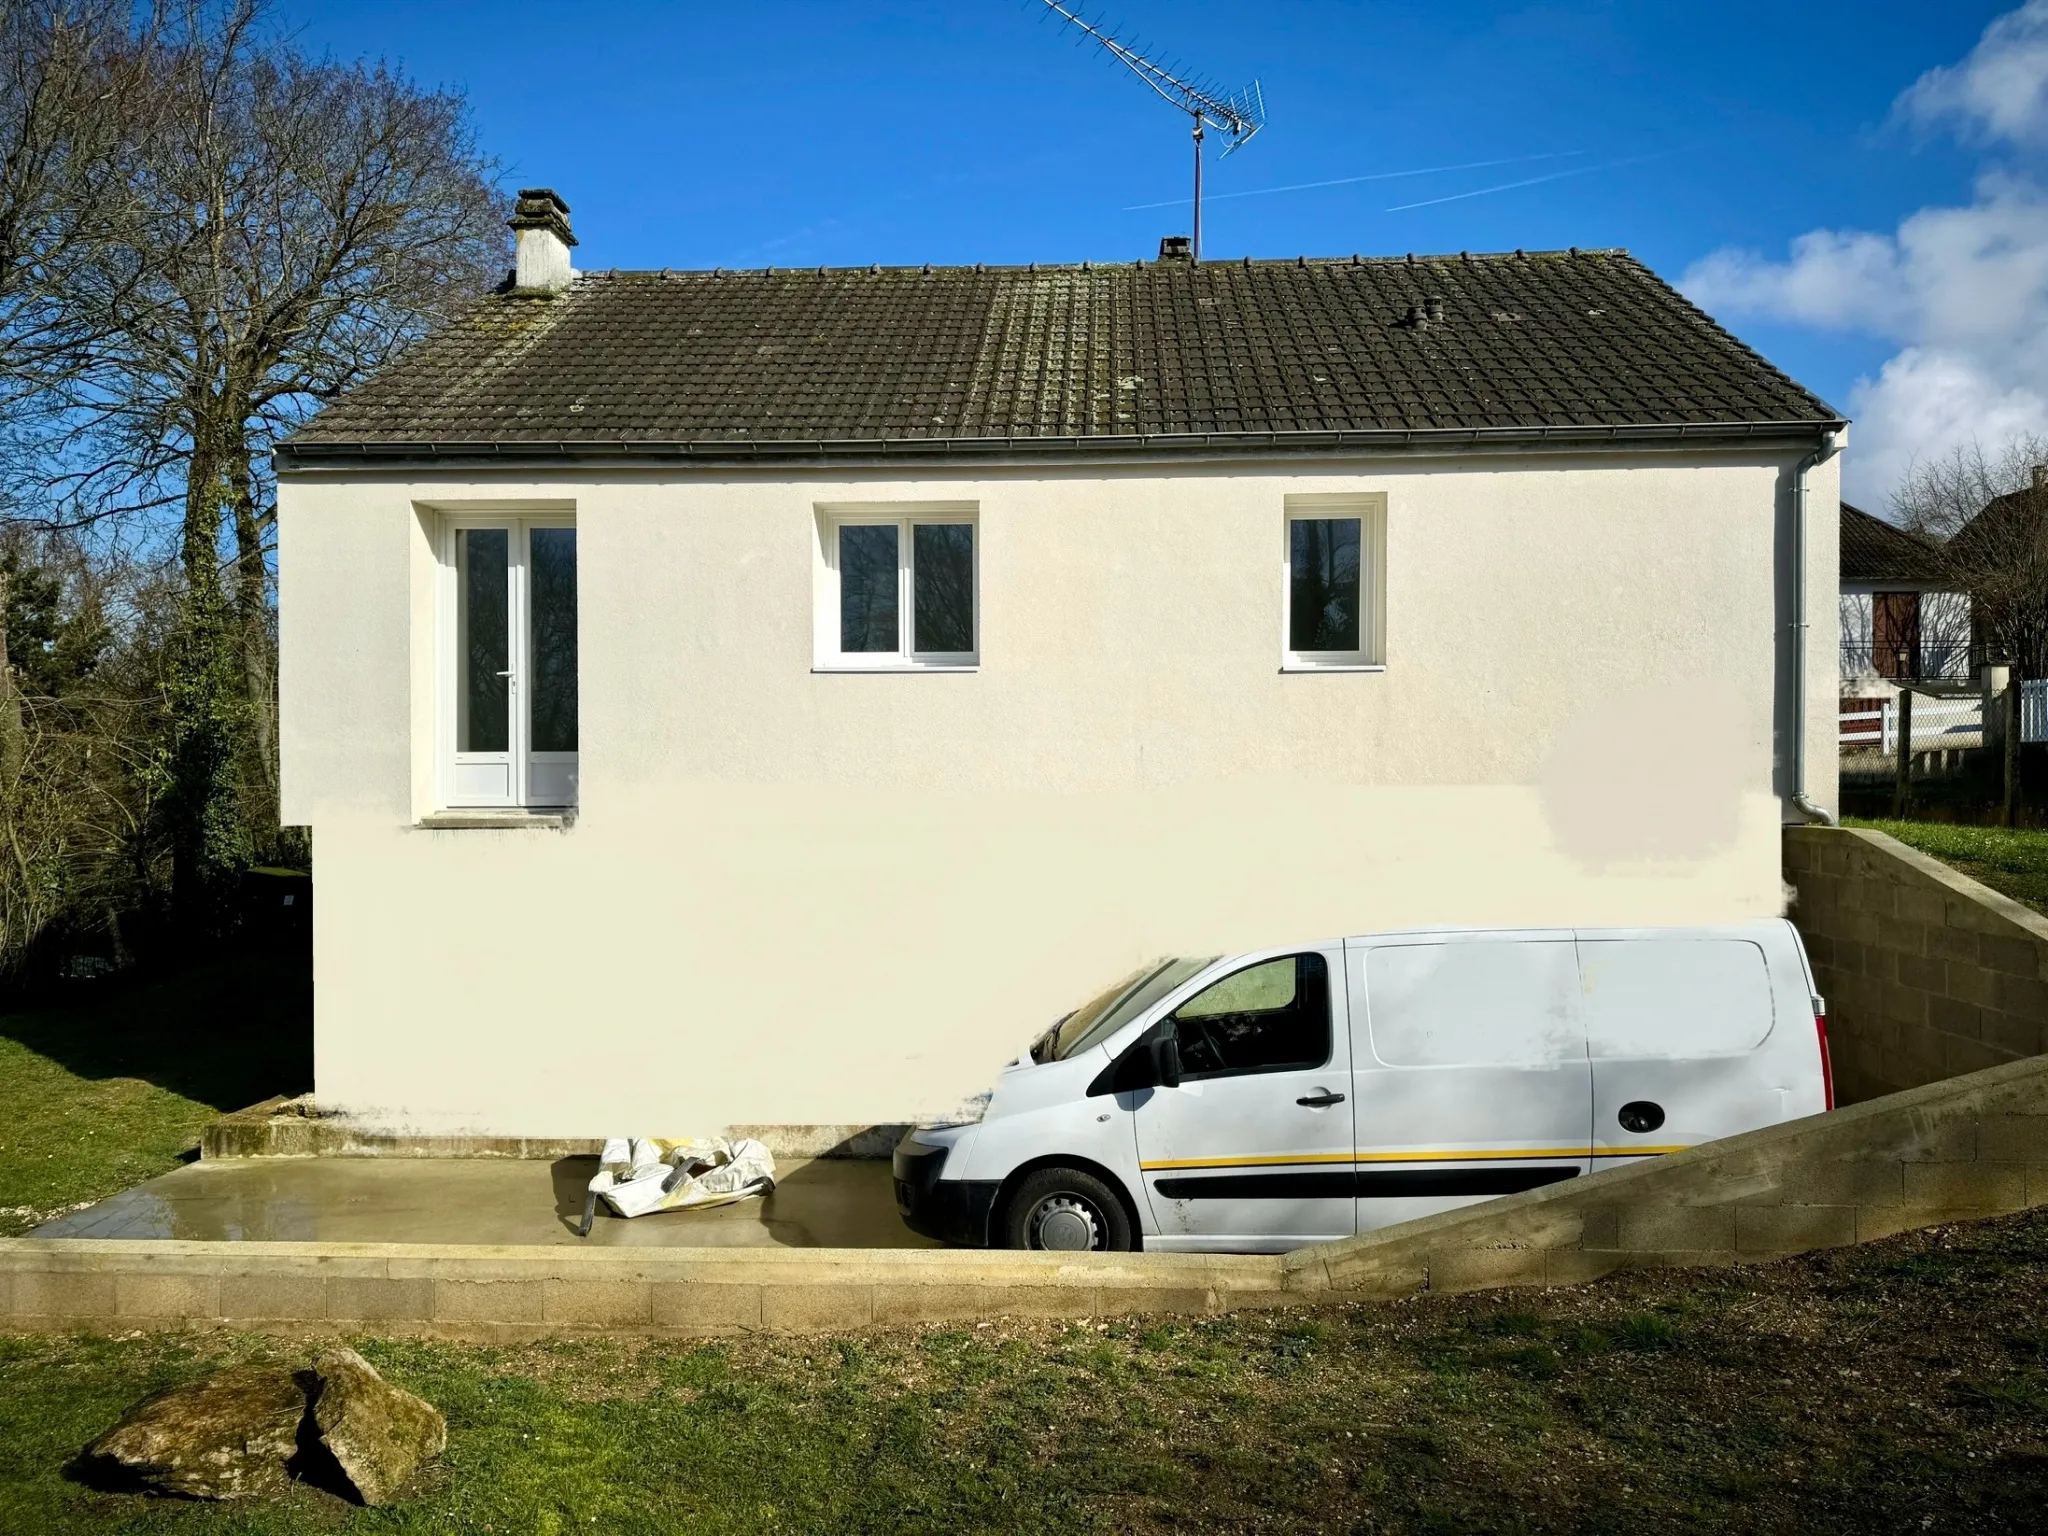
x=1902, y=1386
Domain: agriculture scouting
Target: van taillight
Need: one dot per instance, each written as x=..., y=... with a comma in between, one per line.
x=1827, y=1071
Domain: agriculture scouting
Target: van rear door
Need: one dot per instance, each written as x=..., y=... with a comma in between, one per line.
x=1676, y=1023
x=1469, y=1068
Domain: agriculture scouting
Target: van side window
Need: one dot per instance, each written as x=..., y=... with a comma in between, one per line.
x=1475, y=1002
x=1273, y=1017
x=1675, y=997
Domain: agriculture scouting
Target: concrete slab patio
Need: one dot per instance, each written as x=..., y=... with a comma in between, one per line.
x=817, y=1203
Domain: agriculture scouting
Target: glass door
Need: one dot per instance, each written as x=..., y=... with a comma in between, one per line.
x=514, y=698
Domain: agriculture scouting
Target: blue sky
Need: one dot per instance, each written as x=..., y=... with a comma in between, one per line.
x=801, y=133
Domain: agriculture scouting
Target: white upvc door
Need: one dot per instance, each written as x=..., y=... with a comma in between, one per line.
x=509, y=727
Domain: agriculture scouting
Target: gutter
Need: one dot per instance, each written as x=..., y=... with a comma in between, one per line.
x=309, y=456
x=1802, y=802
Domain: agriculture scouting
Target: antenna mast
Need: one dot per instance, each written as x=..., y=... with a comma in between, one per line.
x=1240, y=115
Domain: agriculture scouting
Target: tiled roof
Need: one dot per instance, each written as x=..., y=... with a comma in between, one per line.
x=1875, y=550
x=1151, y=353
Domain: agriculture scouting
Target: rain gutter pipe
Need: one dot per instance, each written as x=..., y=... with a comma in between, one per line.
x=1801, y=801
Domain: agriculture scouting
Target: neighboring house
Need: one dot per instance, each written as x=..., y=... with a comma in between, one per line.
x=776, y=696
x=1902, y=618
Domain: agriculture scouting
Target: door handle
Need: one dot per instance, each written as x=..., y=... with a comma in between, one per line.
x=1322, y=1098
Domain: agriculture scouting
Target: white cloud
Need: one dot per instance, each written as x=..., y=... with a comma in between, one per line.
x=2000, y=90
x=1962, y=290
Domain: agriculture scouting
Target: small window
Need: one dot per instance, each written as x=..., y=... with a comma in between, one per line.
x=899, y=590
x=1273, y=1017
x=1332, y=575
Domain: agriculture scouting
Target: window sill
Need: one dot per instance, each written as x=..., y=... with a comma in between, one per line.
x=897, y=666
x=483, y=818
x=1334, y=666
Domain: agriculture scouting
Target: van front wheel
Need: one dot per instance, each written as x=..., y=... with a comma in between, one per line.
x=1064, y=1210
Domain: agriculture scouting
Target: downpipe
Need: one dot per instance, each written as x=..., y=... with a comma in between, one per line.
x=1802, y=802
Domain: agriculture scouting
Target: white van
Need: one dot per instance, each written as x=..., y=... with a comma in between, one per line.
x=1262, y=1101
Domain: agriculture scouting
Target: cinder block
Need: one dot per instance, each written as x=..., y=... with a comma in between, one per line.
x=1876, y=1221
x=1971, y=1056
x=2037, y=1184
x=1380, y=1275
x=1974, y=984
x=382, y=1300
x=2010, y=1138
x=1184, y=1301
x=167, y=1296
x=1920, y=904
x=1906, y=1004
x=1563, y=1266
x=598, y=1303
x=2023, y=995
x=1901, y=937
x=1452, y=1270
x=2005, y=1032
x=1964, y=1188
x=1928, y=1139
x=1953, y=1016
x=1646, y=1227
x=1874, y=1180
x=1599, y=1228
x=812, y=1308
x=1956, y=944
x=710, y=1308
x=1924, y=975
x=2013, y=956
x=64, y=1293
x=1793, y=1228
x=489, y=1301
x=258, y=1298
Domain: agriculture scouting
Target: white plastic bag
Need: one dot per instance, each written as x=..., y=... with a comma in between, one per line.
x=640, y=1174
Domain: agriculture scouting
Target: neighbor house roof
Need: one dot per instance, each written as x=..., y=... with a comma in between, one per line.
x=1875, y=550
x=1168, y=355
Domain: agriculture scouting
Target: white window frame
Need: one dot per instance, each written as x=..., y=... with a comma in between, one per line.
x=562, y=769
x=827, y=656
x=1370, y=511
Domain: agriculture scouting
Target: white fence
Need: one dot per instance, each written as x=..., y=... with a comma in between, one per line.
x=1939, y=725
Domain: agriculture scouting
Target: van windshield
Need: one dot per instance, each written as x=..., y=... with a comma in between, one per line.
x=1103, y=1015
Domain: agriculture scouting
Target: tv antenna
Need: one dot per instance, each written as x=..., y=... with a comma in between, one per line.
x=1240, y=114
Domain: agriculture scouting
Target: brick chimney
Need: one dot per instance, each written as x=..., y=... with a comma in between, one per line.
x=2041, y=477
x=1176, y=248
x=541, y=228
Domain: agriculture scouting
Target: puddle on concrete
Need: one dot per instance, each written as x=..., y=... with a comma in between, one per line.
x=818, y=1203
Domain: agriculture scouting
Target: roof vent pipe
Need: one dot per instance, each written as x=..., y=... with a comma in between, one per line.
x=540, y=226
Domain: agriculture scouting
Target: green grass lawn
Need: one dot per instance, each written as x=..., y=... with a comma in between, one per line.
x=2012, y=861
x=1902, y=1386
x=113, y=1086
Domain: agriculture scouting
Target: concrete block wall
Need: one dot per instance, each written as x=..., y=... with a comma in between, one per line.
x=1927, y=973
x=1966, y=1147
x=1963, y=1148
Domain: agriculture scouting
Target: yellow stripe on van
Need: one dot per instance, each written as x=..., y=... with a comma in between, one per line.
x=1460, y=1155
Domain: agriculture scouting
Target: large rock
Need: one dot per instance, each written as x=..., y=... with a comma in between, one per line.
x=379, y=1434
x=226, y=1436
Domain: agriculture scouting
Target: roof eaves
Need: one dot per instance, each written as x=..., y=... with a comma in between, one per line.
x=307, y=455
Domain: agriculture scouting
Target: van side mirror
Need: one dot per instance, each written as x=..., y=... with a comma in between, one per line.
x=1166, y=1061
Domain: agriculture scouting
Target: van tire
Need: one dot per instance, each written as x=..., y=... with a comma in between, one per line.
x=1056, y=1208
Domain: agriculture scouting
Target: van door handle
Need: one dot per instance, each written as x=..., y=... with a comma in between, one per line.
x=1322, y=1098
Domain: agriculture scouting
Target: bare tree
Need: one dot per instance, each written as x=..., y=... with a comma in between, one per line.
x=293, y=222
x=1987, y=512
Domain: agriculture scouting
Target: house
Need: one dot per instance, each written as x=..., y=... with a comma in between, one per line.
x=775, y=696
x=1903, y=617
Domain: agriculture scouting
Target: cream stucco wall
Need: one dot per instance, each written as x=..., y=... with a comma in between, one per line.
x=797, y=897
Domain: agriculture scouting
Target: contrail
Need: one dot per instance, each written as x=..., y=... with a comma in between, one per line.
x=1509, y=186
x=1345, y=181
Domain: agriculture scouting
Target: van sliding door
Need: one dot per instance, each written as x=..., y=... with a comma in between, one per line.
x=1469, y=1069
